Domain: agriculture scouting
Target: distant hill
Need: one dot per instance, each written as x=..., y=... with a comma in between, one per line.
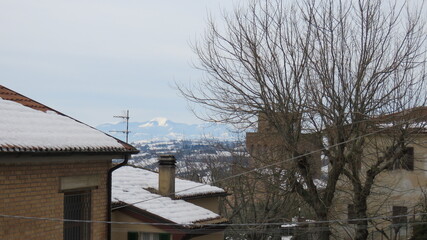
x=187, y=152
x=164, y=129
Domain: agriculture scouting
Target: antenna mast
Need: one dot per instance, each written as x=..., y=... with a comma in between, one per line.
x=125, y=118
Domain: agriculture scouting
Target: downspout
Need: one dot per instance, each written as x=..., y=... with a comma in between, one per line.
x=109, y=183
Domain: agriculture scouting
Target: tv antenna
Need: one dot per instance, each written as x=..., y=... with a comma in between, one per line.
x=125, y=117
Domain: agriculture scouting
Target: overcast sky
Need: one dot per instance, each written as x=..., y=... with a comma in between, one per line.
x=93, y=59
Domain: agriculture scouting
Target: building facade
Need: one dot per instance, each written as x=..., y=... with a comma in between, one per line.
x=395, y=201
x=54, y=173
x=160, y=206
x=397, y=143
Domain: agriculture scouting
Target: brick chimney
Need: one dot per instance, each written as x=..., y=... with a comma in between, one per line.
x=167, y=175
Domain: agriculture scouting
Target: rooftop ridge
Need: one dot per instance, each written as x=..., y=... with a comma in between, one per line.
x=7, y=94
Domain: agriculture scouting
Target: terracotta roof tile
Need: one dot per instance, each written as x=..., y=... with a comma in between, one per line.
x=7, y=94
x=416, y=114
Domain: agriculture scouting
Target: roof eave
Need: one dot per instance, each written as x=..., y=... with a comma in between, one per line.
x=4, y=150
x=155, y=220
x=200, y=196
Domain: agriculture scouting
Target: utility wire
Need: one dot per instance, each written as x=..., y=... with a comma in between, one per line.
x=233, y=176
x=211, y=225
x=274, y=164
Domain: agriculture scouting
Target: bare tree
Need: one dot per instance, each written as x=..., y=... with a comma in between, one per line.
x=258, y=198
x=420, y=229
x=319, y=70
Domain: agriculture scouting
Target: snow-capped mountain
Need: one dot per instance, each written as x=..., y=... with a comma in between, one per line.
x=164, y=129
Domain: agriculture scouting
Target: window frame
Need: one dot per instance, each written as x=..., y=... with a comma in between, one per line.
x=77, y=206
x=397, y=211
x=406, y=162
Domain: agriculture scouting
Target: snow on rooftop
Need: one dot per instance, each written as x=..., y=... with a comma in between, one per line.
x=289, y=225
x=148, y=179
x=178, y=211
x=130, y=184
x=24, y=127
x=325, y=169
x=286, y=237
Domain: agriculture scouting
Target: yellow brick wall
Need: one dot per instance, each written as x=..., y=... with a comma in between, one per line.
x=392, y=187
x=32, y=189
x=268, y=147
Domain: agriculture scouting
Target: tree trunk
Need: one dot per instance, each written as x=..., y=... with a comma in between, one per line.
x=322, y=229
x=361, y=206
x=323, y=232
x=362, y=230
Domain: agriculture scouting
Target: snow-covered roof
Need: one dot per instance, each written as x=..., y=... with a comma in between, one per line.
x=28, y=126
x=150, y=180
x=130, y=186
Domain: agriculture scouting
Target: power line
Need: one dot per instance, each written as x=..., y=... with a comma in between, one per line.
x=211, y=225
x=274, y=164
x=233, y=176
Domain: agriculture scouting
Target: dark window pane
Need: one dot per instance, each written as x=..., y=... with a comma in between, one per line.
x=397, y=211
x=408, y=159
x=406, y=162
x=132, y=236
x=164, y=236
x=77, y=207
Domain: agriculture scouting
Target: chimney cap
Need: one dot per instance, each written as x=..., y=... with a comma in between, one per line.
x=167, y=160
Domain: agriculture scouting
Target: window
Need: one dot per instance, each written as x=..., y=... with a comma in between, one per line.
x=398, y=211
x=407, y=161
x=77, y=206
x=132, y=236
x=164, y=236
x=148, y=236
x=251, y=149
x=351, y=214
